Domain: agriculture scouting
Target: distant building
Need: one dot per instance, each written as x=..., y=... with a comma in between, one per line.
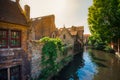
x=43, y=26
x=66, y=37
x=86, y=38
x=79, y=30
x=14, y=24
x=55, y=34
x=72, y=36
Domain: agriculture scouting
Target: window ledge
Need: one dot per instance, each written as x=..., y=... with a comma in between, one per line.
x=10, y=49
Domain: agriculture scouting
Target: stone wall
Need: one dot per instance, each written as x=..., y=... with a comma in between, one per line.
x=68, y=38
x=35, y=48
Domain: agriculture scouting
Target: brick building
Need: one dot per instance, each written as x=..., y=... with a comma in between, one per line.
x=79, y=30
x=14, y=24
x=66, y=36
x=43, y=26
x=72, y=36
x=55, y=34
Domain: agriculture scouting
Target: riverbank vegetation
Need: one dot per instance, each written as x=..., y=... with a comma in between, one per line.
x=54, y=57
x=104, y=25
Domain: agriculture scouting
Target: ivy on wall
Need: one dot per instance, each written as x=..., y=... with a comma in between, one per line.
x=49, y=56
x=54, y=57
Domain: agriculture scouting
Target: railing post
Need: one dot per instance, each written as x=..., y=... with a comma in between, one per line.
x=8, y=73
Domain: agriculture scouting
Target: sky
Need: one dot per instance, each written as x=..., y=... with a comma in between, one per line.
x=67, y=12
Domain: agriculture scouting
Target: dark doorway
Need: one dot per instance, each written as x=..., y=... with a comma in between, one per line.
x=3, y=74
x=15, y=73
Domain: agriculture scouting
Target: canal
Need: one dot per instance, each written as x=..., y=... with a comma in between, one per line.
x=91, y=65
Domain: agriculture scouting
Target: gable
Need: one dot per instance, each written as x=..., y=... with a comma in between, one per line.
x=65, y=32
x=66, y=37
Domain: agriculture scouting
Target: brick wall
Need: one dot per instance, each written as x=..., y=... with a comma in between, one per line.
x=19, y=54
x=68, y=38
x=24, y=29
x=44, y=26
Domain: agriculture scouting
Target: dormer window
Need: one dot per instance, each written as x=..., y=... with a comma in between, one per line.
x=10, y=38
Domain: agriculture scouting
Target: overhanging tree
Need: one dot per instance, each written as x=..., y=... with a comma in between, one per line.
x=104, y=20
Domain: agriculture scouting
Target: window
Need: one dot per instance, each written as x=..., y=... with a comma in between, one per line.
x=13, y=40
x=3, y=38
x=15, y=73
x=53, y=36
x=64, y=36
x=3, y=74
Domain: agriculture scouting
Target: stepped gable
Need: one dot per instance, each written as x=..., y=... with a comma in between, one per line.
x=10, y=11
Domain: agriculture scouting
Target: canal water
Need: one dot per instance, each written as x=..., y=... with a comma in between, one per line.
x=91, y=65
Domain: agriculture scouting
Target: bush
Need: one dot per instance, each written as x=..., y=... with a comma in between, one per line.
x=109, y=49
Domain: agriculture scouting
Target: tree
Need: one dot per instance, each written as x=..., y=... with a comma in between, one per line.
x=104, y=20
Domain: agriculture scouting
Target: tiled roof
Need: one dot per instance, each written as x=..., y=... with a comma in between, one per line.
x=11, y=12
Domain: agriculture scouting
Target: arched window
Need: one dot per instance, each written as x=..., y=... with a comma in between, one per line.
x=53, y=36
x=64, y=36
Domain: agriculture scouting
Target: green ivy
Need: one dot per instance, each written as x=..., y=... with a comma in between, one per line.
x=49, y=56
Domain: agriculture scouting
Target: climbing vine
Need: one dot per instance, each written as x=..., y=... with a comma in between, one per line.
x=49, y=56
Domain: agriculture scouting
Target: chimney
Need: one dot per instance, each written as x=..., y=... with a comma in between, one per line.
x=27, y=12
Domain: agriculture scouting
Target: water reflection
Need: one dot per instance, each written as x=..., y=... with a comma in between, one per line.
x=69, y=71
x=108, y=65
x=91, y=65
x=87, y=72
x=97, y=60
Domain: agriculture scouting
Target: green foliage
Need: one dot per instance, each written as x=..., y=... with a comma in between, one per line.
x=49, y=56
x=45, y=39
x=64, y=50
x=109, y=49
x=104, y=21
x=49, y=62
x=97, y=43
x=56, y=41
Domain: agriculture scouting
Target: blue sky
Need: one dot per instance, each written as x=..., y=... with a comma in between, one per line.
x=67, y=12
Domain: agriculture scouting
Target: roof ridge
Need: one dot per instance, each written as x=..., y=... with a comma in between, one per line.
x=21, y=10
